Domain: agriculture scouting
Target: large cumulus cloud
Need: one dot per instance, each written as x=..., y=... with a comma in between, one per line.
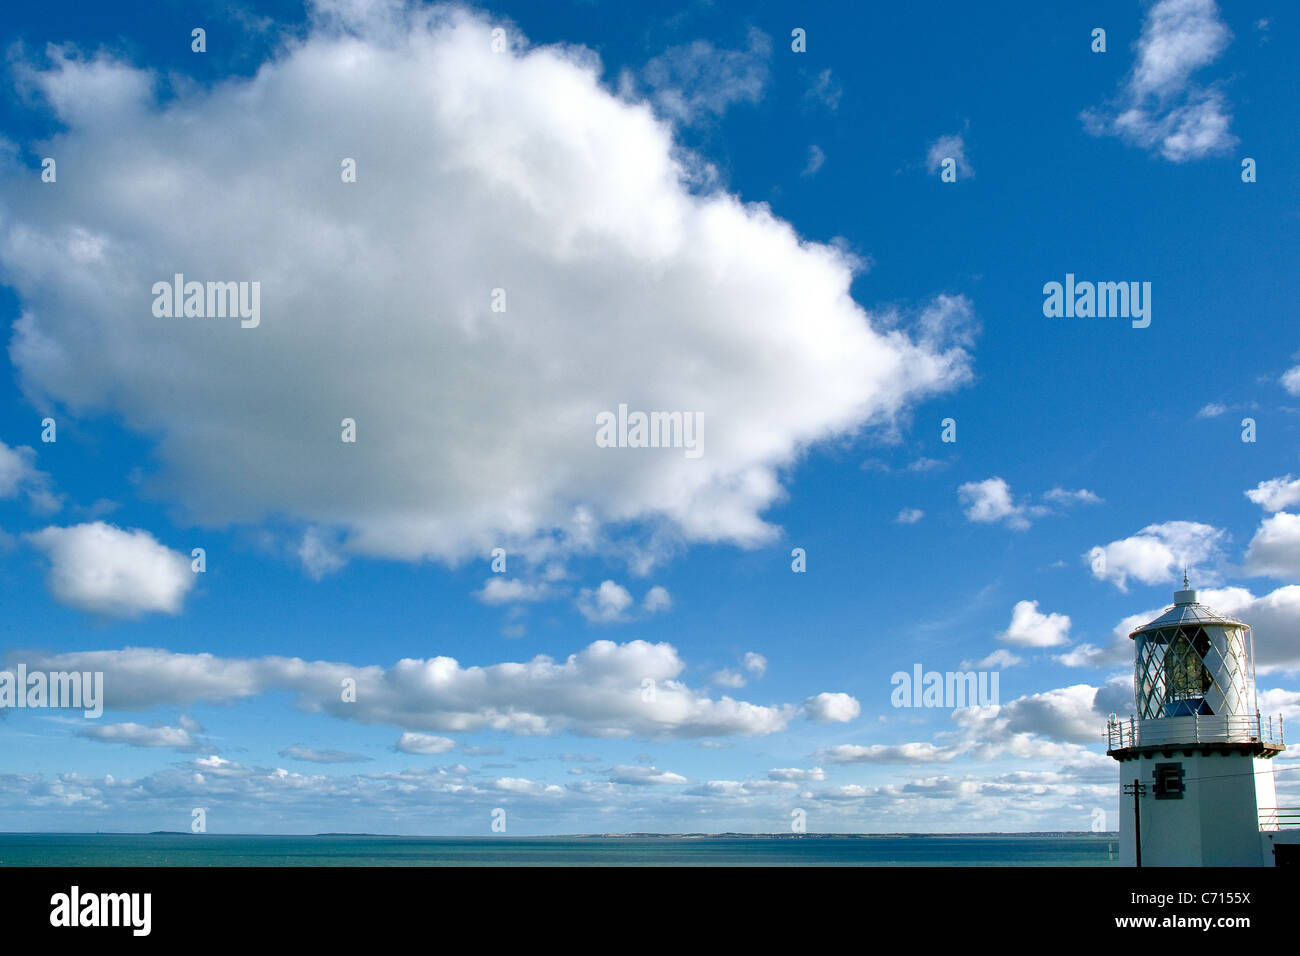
x=476, y=171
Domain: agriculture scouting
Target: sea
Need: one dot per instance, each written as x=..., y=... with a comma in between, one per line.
x=919, y=849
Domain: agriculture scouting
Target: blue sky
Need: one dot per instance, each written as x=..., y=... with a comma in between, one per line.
x=684, y=214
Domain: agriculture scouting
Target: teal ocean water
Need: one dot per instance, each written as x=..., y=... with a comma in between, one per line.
x=1033, y=849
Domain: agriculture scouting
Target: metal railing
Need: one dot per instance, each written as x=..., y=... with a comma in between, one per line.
x=1279, y=818
x=1194, y=728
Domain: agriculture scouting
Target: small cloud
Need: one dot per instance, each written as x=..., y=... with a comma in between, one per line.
x=1156, y=553
x=502, y=590
x=756, y=664
x=19, y=474
x=815, y=160
x=949, y=147
x=1212, y=410
x=825, y=89
x=998, y=659
x=1031, y=628
x=927, y=464
x=1061, y=496
x=643, y=776
x=604, y=605
x=1089, y=655
x=423, y=744
x=611, y=602
x=698, y=82
x=832, y=708
x=796, y=775
x=909, y=516
x=101, y=569
x=990, y=501
x=728, y=678
x=318, y=556
x=1276, y=494
x=312, y=755
x=1291, y=381
x=138, y=735
x=1159, y=108
x=656, y=599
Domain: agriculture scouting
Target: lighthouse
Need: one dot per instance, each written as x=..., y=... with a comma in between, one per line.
x=1195, y=760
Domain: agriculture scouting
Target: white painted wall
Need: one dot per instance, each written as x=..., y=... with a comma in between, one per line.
x=1216, y=823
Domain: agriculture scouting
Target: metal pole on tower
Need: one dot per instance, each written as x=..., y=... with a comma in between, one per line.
x=1137, y=789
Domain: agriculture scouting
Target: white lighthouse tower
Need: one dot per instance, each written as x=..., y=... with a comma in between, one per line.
x=1195, y=764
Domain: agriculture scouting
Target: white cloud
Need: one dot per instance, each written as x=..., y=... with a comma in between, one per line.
x=1065, y=714
x=697, y=81
x=643, y=776
x=502, y=590
x=533, y=179
x=1063, y=496
x=1119, y=651
x=1275, y=549
x=1031, y=628
x=1276, y=494
x=1291, y=381
x=1159, y=107
x=1278, y=701
x=1212, y=410
x=104, y=570
x=604, y=605
x=997, y=660
x=909, y=516
x=138, y=735
x=755, y=664
x=816, y=157
x=832, y=708
x=318, y=557
x=826, y=90
x=990, y=500
x=656, y=599
x=523, y=785
x=1054, y=725
x=312, y=755
x=740, y=789
x=888, y=753
x=1156, y=554
x=596, y=692
x=949, y=147
x=19, y=474
x=410, y=743
x=797, y=775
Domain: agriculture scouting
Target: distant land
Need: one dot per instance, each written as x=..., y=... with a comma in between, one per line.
x=594, y=836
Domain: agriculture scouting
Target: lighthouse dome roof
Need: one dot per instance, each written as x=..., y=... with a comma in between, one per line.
x=1186, y=609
